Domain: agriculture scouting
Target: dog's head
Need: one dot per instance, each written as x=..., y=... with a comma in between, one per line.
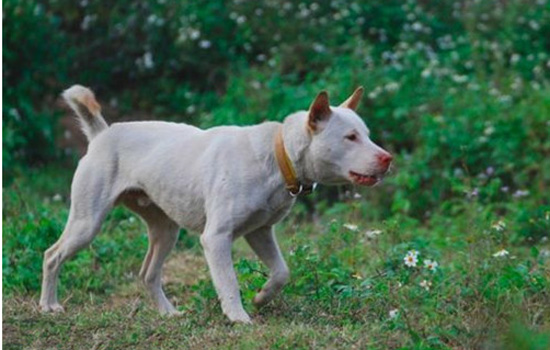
x=341, y=150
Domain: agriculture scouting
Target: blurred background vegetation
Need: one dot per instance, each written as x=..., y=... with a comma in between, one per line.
x=459, y=91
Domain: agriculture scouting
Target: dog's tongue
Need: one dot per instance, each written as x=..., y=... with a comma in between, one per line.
x=367, y=180
x=364, y=180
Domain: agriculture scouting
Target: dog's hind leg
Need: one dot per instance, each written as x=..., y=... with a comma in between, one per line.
x=264, y=244
x=163, y=234
x=162, y=238
x=90, y=201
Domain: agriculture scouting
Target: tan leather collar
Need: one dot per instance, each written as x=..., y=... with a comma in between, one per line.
x=293, y=185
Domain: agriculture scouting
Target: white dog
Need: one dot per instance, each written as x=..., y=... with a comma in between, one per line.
x=225, y=182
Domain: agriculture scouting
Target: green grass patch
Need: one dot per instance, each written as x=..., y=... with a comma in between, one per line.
x=350, y=286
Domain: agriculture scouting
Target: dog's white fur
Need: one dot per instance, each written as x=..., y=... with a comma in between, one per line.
x=223, y=182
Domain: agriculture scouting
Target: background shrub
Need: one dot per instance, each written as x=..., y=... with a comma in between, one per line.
x=459, y=90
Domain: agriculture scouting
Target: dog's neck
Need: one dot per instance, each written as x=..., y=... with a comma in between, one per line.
x=296, y=140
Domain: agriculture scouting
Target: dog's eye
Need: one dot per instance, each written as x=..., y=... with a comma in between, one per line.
x=351, y=137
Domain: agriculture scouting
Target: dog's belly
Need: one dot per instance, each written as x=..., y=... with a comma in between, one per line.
x=190, y=214
x=181, y=202
x=187, y=211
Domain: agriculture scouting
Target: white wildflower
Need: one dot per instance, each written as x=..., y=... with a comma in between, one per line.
x=499, y=226
x=417, y=26
x=505, y=99
x=241, y=19
x=15, y=113
x=534, y=25
x=521, y=193
x=87, y=21
x=426, y=284
x=256, y=85
x=152, y=19
x=431, y=265
x=194, y=34
x=371, y=234
x=501, y=253
x=393, y=86
x=374, y=93
x=148, y=60
x=460, y=78
x=351, y=227
x=473, y=86
x=205, y=44
x=472, y=194
x=489, y=130
x=394, y=313
x=319, y=47
x=411, y=259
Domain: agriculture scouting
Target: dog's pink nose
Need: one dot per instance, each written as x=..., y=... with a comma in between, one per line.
x=385, y=159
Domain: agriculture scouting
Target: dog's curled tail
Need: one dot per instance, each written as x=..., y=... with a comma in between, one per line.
x=82, y=101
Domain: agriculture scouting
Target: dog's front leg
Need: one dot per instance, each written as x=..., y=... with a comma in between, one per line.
x=264, y=244
x=217, y=249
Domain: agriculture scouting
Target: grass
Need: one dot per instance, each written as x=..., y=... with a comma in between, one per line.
x=343, y=284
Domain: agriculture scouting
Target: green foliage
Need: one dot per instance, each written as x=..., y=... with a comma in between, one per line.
x=452, y=87
x=349, y=281
x=534, y=224
x=30, y=230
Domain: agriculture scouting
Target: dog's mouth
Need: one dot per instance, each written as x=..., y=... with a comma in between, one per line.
x=364, y=180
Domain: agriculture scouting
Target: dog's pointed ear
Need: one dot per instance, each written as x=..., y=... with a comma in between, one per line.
x=353, y=101
x=319, y=111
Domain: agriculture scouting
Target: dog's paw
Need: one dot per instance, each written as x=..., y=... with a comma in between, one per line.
x=169, y=310
x=240, y=318
x=172, y=313
x=261, y=299
x=52, y=308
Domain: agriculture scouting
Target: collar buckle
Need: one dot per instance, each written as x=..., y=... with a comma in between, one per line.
x=297, y=193
x=302, y=189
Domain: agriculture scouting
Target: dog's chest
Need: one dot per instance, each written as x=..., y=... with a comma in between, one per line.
x=267, y=213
